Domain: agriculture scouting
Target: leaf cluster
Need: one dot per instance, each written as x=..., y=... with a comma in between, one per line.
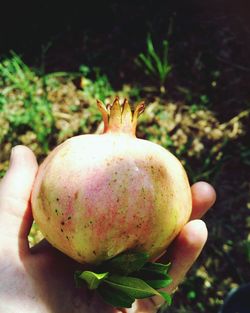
x=125, y=278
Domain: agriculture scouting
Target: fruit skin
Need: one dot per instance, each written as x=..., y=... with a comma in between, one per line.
x=96, y=196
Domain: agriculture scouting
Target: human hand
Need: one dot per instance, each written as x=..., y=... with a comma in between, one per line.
x=40, y=280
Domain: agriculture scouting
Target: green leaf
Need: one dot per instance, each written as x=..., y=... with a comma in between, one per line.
x=155, y=275
x=159, y=283
x=132, y=286
x=126, y=263
x=115, y=297
x=166, y=296
x=92, y=279
x=149, y=275
x=157, y=267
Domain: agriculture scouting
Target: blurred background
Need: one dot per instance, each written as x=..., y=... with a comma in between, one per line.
x=189, y=61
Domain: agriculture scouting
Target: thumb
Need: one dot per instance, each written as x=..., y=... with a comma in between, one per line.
x=15, y=190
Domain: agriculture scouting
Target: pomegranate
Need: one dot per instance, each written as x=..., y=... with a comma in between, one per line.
x=96, y=196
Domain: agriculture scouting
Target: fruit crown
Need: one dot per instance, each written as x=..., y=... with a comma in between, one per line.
x=119, y=117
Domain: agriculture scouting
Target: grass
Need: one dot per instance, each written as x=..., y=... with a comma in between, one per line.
x=30, y=108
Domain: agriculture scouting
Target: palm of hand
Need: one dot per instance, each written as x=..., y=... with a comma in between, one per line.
x=41, y=280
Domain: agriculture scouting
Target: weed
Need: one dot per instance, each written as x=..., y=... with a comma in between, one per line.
x=155, y=64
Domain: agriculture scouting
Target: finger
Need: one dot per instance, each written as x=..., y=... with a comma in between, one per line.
x=204, y=196
x=15, y=189
x=18, y=180
x=183, y=253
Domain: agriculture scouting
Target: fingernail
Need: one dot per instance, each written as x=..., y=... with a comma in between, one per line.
x=13, y=154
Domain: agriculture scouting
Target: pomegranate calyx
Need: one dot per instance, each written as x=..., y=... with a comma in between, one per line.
x=119, y=117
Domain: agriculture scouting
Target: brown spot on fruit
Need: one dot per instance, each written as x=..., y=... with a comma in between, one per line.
x=76, y=195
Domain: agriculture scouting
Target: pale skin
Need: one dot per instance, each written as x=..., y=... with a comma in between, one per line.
x=39, y=280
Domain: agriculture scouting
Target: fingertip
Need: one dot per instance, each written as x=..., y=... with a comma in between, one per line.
x=193, y=236
x=21, y=154
x=19, y=177
x=203, y=197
